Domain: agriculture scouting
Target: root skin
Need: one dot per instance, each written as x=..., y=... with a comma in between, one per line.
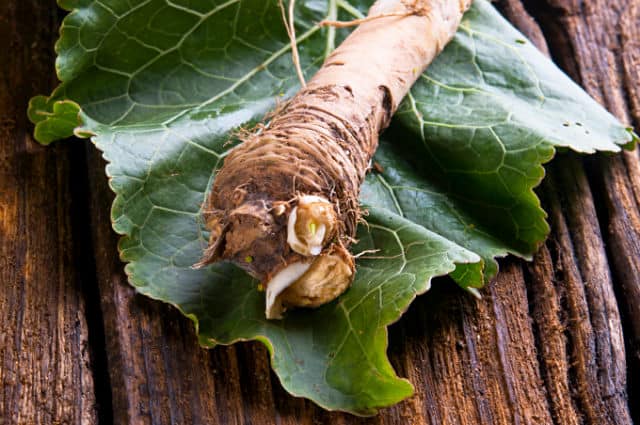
x=321, y=144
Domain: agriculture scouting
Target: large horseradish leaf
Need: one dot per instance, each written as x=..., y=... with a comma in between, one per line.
x=161, y=85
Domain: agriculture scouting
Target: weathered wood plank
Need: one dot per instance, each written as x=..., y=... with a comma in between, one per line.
x=598, y=44
x=157, y=371
x=45, y=376
x=544, y=345
x=596, y=366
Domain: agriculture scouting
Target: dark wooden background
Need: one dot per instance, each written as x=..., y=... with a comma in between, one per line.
x=553, y=341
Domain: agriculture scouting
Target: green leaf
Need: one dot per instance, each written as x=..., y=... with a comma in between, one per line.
x=53, y=120
x=335, y=354
x=475, y=132
x=162, y=85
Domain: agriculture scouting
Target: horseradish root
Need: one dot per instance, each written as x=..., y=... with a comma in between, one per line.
x=284, y=205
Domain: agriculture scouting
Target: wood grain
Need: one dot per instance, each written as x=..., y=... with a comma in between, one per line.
x=598, y=44
x=45, y=363
x=549, y=342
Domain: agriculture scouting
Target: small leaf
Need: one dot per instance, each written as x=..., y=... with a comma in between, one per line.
x=54, y=120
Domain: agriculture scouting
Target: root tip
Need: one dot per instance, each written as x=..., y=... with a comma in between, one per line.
x=311, y=225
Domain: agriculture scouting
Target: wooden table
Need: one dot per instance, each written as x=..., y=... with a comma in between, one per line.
x=552, y=341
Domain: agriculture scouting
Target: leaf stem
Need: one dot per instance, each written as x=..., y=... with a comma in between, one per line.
x=332, y=15
x=350, y=9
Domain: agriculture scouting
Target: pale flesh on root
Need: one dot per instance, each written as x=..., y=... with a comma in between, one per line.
x=330, y=275
x=310, y=225
x=281, y=281
x=320, y=143
x=309, y=284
